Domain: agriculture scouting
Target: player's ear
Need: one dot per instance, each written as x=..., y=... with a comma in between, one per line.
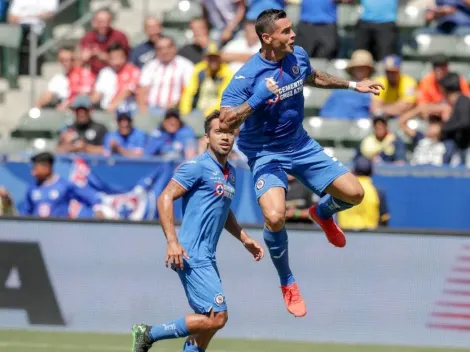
x=266, y=38
x=206, y=138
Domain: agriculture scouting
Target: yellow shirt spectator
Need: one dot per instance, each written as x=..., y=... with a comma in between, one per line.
x=204, y=91
x=405, y=90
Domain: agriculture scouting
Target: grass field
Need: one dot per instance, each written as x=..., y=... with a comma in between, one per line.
x=26, y=341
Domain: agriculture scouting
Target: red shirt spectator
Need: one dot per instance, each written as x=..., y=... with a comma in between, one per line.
x=94, y=45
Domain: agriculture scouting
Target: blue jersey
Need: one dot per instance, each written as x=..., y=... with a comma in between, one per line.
x=206, y=205
x=276, y=126
x=136, y=140
x=164, y=143
x=52, y=198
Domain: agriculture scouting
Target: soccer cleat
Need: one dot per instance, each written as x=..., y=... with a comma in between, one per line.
x=332, y=231
x=141, y=340
x=294, y=302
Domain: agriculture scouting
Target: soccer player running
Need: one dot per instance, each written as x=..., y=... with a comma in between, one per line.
x=207, y=185
x=266, y=96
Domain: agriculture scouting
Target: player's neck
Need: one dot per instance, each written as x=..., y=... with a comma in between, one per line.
x=271, y=55
x=222, y=159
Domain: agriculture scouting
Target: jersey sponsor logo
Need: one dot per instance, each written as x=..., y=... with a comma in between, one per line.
x=219, y=189
x=259, y=184
x=295, y=70
x=224, y=190
x=219, y=299
x=288, y=91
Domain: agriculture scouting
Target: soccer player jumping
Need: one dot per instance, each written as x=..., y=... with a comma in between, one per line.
x=207, y=185
x=266, y=96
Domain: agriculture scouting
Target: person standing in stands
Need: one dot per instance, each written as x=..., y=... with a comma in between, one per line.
x=225, y=16
x=373, y=211
x=146, y=51
x=94, y=45
x=51, y=194
x=194, y=51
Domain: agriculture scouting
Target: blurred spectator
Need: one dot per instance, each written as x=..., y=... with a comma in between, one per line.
x=84, y=135
x=94, y=45
x=317, y=32
x=383, y=145
x=51, y=194
x=172, y=138
x=456, y=129
x=255, y=7
x=127, y=141
x=429, y=90
x=65, y=86
x=298, y=200
x=7, y=206
x=241, y=49
x=225, y=16
x=451, y=16
x=376, y=30
x=208, y=81
x=348, y=104
x=195, y=51
x=31, y=15
x=373, y=210
x=163, y=79
x=3, y=10
x=145, y=51
x=427, y=148
x=399, y=94
x=116, y=84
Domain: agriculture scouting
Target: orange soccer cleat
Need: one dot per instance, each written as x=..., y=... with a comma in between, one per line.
x=332, y=231
x=294, y=302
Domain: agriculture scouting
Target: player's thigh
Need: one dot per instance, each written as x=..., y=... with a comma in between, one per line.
x=315, y=169
x=203, y=288
x=306, y=37
x=273, y=206
x=347, y=188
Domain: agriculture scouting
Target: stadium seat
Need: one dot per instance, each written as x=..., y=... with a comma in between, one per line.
x=337, y=68
x=415, y=69
x=348, y=15
x=463, y=47
x=14, y=146
x=319, y=64
x=293, y=12
x=425, y=46
x=181, y=15
x=10, y=40
x=180, y=36
x=462, y=68
x=195, y=120
x=47, y=125
x=336, y=130
x=315, y=98
x=410, y=17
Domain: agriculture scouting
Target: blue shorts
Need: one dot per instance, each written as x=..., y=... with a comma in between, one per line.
x=309, y=164
x=203, y=288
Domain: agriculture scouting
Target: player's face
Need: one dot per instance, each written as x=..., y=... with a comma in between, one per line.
x=283, y=37
x=117, y=60
x=41, y=171
x=220, y=142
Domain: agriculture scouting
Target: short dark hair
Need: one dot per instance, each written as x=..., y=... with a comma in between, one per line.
x=44, y=157
x=104, y=9
x=166, y=36
x=439, y=60
x=450, y=83
x=208, y=122
x=435, y=119
x=115, y=47
x=379, y=118
x=266, y=20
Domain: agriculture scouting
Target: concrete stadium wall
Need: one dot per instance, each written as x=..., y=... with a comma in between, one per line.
x=382, y=288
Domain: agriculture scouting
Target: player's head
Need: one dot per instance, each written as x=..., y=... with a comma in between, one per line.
x=117, y=56
x=219, y=142
x=275, y=31
x=42, y=166
x=434, y=127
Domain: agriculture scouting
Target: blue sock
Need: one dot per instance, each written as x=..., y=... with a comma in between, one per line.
x=171, y=330
x=188, y=347
x=277, y=245
x=328, y=206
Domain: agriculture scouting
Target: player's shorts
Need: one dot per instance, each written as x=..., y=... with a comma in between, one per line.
x=309, y=164
x=203, y=288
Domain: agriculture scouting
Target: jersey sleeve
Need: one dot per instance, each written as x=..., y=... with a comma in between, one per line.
x=237, y=91
x=188, y=174
x=84, y=195
x=303, y=54
x=27, y=208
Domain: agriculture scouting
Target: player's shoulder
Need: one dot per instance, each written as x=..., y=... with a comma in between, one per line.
x=299, y=51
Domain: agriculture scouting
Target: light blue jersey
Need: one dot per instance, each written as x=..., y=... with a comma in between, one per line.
x=206, y=206
x=276, y=126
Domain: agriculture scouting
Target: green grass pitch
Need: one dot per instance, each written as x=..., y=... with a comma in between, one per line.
x=27, y=341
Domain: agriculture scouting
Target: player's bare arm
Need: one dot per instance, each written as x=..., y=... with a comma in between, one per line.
x=232, y=118
x=175, y=252
x=320, y=79
x=232, y=226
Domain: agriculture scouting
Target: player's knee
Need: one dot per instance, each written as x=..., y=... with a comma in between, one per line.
x=357, y=195
x=219, y=320
x=275, y=219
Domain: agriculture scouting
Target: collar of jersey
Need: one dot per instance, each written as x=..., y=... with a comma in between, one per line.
x=271, y=63
x=215, y=161
x=52, y=180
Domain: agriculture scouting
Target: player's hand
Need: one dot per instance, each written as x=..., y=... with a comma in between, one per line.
x=174, y=256
x=254, y=248
x=368, y=86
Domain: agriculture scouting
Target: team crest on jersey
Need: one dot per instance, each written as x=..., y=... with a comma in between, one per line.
x=36, y=195
x=219, y=299
x=295, y=70
x=54, y=194
x=232, y=177
x=259, y=184
x=219, y=189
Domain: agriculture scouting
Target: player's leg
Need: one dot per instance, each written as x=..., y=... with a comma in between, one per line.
x=204, y=292
x=270, y=187
x=323, y=174
x=200, y=342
